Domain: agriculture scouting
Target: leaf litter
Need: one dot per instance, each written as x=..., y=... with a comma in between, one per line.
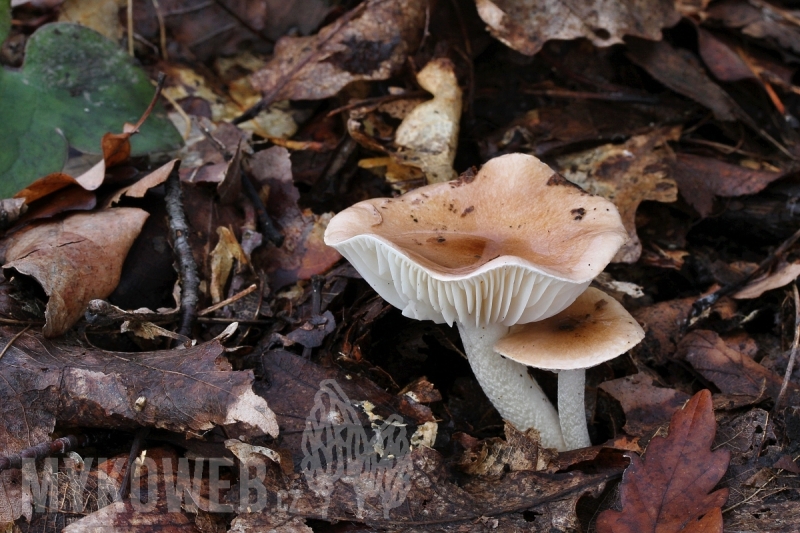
x=696, y=146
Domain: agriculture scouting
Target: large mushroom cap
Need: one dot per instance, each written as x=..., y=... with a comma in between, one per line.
x=594, y=329
x=516, y=243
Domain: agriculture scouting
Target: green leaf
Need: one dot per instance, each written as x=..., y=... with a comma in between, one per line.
x=5, y=19
x=75, y=86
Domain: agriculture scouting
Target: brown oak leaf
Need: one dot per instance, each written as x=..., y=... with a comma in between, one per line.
x=669, y=491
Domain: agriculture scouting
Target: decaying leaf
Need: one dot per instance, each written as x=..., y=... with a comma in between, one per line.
x=189, y=390
x=701, y=178
x=626, y=174
x=428, y=136
x=370, y=43
x=731, y=366
x=304, y=252
x=75, y=260
x=669, y=490
x=525, y=25
x=646, y=406
x=519, y=451
x=662, y=324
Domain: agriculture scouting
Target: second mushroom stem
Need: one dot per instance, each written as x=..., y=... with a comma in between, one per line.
x=516, y=395
x=571, y=409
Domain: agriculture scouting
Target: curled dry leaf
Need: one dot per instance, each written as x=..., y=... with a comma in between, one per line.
x=75, y=260
x=783, y=274
x=669, y=490
x=370, y=43
x=760, y=20
x=525, y=25
x=626, y=174
x=140, y=188
x=428, y=136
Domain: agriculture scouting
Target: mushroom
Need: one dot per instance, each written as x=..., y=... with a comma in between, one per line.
x=594, y=329
x=513, y=244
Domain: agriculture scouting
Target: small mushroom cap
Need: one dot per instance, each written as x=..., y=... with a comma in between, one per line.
x=594, y=329
x=516, y=242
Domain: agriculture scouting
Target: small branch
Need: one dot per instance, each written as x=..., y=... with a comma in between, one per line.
x=228, y=301
x=265, y=224
x=787, y=376
x=14, y=338
x=136, y=448
x=46, y=449
x=179, y=231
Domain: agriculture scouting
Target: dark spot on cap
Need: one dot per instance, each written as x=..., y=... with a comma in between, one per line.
x=468, y=210
x=599, y=304
x=466, y=177
x=578, y=213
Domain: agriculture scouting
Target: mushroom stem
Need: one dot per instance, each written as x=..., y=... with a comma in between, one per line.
x=571, y=410
x=513, y=392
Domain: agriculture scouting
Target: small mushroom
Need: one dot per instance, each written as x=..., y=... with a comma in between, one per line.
x=513, y=244
x=594, y=329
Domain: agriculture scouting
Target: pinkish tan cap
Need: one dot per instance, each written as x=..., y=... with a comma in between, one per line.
x=594, y=329
x=513, y=244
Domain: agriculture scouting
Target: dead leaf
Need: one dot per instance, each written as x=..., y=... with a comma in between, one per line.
x=783, y=274
x=682, y=72
x=731, y=367
x=626, y=174
x=370, y=43
x=75, y=260
x=701, y=178
x=304, y=252
x=428, y=136
x=189, y=390
x=223, y=255
x=525, y=26
x=646, y=406
x=721, y=59
x=669, y=490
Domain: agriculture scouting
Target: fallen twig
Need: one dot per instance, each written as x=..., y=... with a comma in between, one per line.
x=179, y=231
x=46, y=449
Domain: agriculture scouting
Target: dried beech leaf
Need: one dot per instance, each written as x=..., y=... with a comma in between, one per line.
x=370, y=45
x=627, y=174
x=428, y=136
x=669, y=490
x=525, y=25
x=75, y=260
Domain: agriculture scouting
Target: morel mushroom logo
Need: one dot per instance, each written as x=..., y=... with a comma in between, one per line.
x=336, y=448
